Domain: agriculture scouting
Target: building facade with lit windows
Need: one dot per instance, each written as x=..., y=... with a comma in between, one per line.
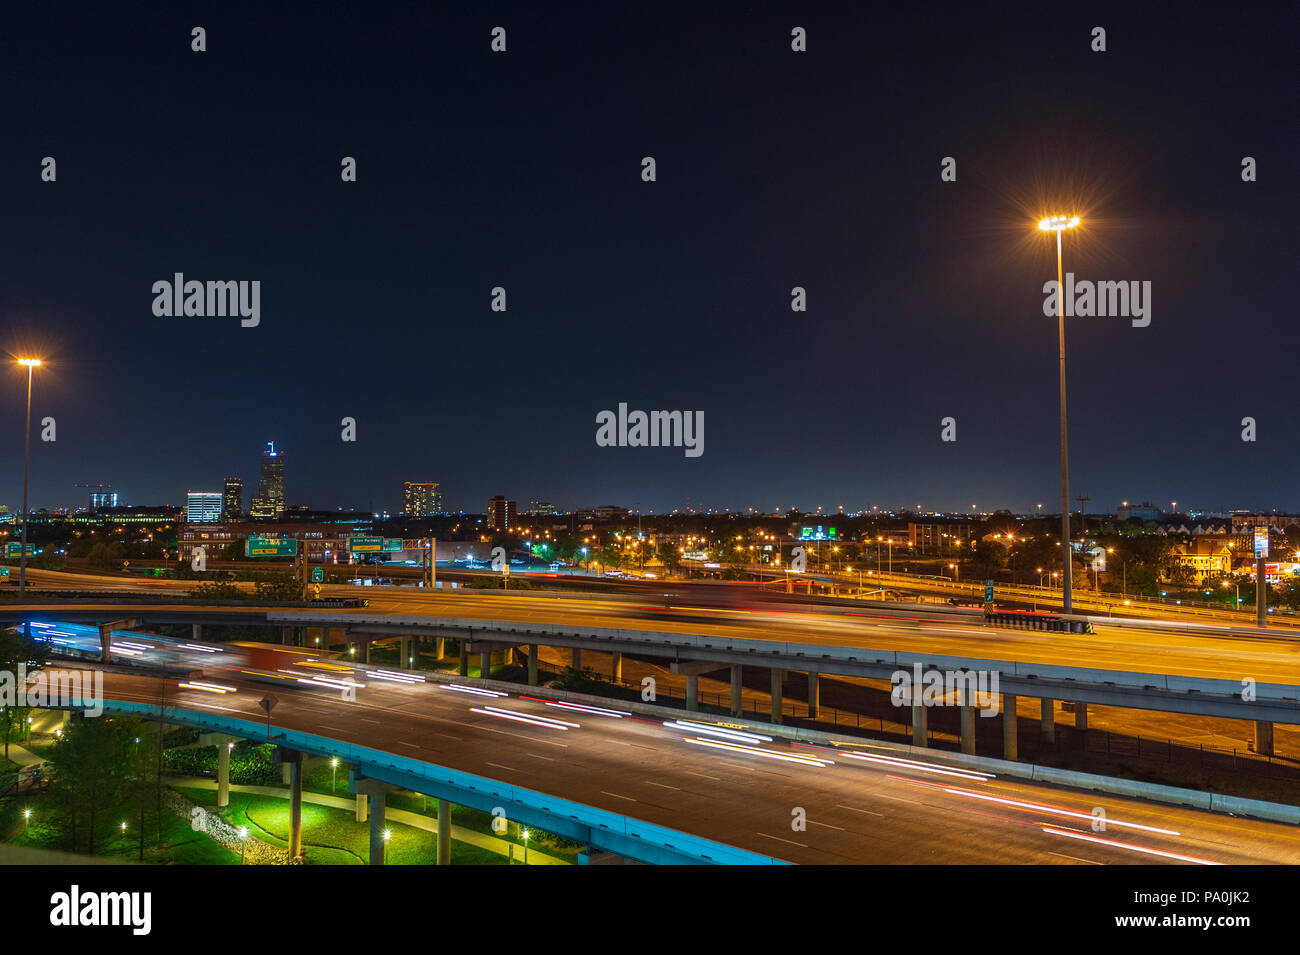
x=202, y=507
x=232, y=499
x=268, y=502
x=421, y=499
x=323, y=543
x=501, y=514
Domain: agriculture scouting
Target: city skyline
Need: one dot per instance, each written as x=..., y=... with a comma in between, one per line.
x=924, y=297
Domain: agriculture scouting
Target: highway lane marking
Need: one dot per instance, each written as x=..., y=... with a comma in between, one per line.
x=824, y=825
x=662, y=785
x=868, y=812
x=509, y=769
x=802, y=845
x=549, y=759
x=366, y=719
x=704, y=775
x=617, y=796
x=402, y=742
x=1075, y=858
x=912, y=801
x=335, y=729
x=449, y=736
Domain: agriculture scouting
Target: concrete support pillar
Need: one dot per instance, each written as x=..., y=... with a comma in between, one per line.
x=577, y=659
x=1081, y=716
x=1263, y=738
x=1010, y=727
x=464, y=657
x=737, y=681
x=295, y=807
x=440, y=646
x=196, y=632
x=616, y=667
x=403, y=652
x=369, y=644
x=444, y=832
x=378, y=816
x=968, y=730
x=919, y=720
x=362, y=815
x=814, y=694
x=223, y=775
x=485, y=663
x=532, y=664
x=692, y=692
x=777, y=677
x=1049, y=720
x=286, y=636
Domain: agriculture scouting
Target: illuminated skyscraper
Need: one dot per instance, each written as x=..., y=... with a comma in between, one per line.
x=232, y=502
x=203, y=507
x=421, y=499
x=268, y=502
x=501, y=514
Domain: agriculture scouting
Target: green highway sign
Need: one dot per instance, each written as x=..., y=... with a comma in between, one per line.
x=15, y=549
x=317, y=575
x=271, y=547
x=365, y=545
x=988, y=591
x=4, y=571
x=392, y=545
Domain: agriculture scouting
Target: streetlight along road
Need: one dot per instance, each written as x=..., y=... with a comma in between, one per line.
x=32, y=364
x=1059, y=224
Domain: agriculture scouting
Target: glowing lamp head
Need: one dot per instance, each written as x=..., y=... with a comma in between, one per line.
x=1058, y=223
x=30, y=362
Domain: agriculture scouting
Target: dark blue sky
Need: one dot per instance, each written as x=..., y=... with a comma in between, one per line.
x=775, y=169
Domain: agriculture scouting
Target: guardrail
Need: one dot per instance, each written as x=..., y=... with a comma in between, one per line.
x=1036, y=621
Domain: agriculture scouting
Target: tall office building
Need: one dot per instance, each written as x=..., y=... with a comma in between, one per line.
x=501, y=514
x=268, y=502
x=203, y=507
x=232, y=500
x=101, y=499
x=421, y=499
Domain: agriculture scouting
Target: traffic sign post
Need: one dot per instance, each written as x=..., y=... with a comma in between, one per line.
x=988, y=596
x=270, y=547
x=318, y=576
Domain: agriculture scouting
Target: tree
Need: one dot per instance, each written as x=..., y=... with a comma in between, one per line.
x=17, y=648
x=670, y=556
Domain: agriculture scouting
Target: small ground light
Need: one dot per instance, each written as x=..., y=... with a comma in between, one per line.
x=27, y=815
x=243, y=842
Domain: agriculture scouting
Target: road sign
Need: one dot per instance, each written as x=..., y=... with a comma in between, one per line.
x=315, y=590
x=271, y=547
x=4, y=571
x=988, y=591
x=317, y=575
x=365, y=545
x=392, y=545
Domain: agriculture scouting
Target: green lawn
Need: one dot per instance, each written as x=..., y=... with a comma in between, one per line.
x=333, y=836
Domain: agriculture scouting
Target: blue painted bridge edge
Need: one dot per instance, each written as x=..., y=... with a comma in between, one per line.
x=599, y=828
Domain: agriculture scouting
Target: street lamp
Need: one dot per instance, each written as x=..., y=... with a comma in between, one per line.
x=243, y=842
x=1059, y=224
x=525, y=847
x=388, y=834
x=32, y=364
x=334, y=773
x=27, y=815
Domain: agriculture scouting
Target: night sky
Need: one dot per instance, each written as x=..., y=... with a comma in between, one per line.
x=775, y=169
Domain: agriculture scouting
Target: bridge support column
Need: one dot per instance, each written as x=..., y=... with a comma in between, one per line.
x=403, y=652
x=1263, y=738
x=737, y=681
x=464, y=657
x=223, y=743
x=1081, y=716
x=777, y=677
x=968, y=729
x=1010, y=737
x=814, y=694
x=532, y=664
x=440, y=646
x=376, y=794
x=485, y=664
x=286, y=636
x=196, y=632
x=295, y=808
x=362, y=805
x=616, y=667
x=369, y=644
x=919, y=720
x=444, y=832
x=692, y=692
x=577, y=659
x=1048, y=722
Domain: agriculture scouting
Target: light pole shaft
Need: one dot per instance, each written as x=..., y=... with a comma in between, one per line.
x=1066, y=602
x=27, y=457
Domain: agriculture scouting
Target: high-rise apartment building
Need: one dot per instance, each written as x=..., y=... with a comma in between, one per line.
x=421, y=499
x=100, y=499
x=501, y=514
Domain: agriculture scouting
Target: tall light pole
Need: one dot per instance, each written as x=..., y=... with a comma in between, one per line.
x=32, y=364
x=1059, y=224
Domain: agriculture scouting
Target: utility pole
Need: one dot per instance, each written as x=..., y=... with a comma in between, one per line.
x=1083, y=499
